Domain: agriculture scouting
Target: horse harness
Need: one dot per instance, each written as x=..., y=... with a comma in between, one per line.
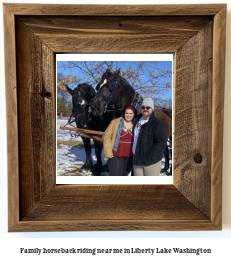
x=73, y=113
x=136, y=99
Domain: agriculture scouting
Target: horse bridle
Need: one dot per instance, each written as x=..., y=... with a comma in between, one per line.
x=73, y=113
x=136, y=100
x=114, y=87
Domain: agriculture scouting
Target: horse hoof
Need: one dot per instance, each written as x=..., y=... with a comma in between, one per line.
x=85, y=168
x=96, y=168
x=105, y=168
x=95, y=173
x=164, y=171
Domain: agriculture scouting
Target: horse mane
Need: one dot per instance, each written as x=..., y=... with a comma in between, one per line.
x=126, y=82
x=122, y=79
x=136, y=98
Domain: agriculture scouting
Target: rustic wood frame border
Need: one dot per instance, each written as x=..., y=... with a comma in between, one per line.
x=33, y=34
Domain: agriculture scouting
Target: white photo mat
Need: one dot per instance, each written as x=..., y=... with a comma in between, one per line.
x=125, y=179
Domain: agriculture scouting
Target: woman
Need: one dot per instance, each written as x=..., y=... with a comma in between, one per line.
x=117, y=143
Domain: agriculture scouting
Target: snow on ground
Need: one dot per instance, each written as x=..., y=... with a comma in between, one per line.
x=71, y=154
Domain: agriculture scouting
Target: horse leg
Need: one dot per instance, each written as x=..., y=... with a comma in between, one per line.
x=166, y=163
x=87, y=146
x=170, y=171
x=98, y=166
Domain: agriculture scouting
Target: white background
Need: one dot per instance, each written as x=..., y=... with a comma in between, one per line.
x=218, y=241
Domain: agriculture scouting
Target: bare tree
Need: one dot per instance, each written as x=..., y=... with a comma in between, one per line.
x=148, y=78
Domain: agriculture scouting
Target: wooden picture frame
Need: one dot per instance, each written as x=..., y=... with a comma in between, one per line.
x=33, y=34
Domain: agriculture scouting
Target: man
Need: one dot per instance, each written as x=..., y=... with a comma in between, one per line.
x=149, y=142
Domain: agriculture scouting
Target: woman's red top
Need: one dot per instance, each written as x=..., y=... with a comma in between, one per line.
x=124, y=148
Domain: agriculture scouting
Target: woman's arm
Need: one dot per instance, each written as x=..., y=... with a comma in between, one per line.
x=107, y=141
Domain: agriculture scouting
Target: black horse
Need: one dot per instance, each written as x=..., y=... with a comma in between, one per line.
x=115, y=90
x=81, y=98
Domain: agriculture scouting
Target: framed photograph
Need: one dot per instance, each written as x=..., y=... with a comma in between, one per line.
x=34, y=34
x=78, y=75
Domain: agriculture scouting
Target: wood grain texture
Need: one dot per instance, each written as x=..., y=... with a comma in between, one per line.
x=108, y=207
x=36, y=106
x=193, y=126
x=113, y=225
x=114, y=10
x=12, y=120
x=114, y=34
x=218, y=114
x=114, y=202
x=195, y=34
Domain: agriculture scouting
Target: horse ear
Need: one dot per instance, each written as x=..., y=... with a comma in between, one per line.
x=97, y=87
x=92, y=92
x=70, y=90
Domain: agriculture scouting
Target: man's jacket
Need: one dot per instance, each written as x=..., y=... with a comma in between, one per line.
x=151, y=143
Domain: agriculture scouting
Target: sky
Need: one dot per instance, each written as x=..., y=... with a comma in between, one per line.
x=164, y=62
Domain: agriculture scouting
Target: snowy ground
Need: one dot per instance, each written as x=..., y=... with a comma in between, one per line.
x=71, y=155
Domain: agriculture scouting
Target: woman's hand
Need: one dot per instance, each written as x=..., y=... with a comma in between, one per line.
x=111, y=157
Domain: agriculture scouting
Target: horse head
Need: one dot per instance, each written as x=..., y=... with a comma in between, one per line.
x=107, y=92
x=108, y=78
x=81, y=97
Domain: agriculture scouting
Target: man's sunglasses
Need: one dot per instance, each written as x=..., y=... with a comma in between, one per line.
x=145, y=107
